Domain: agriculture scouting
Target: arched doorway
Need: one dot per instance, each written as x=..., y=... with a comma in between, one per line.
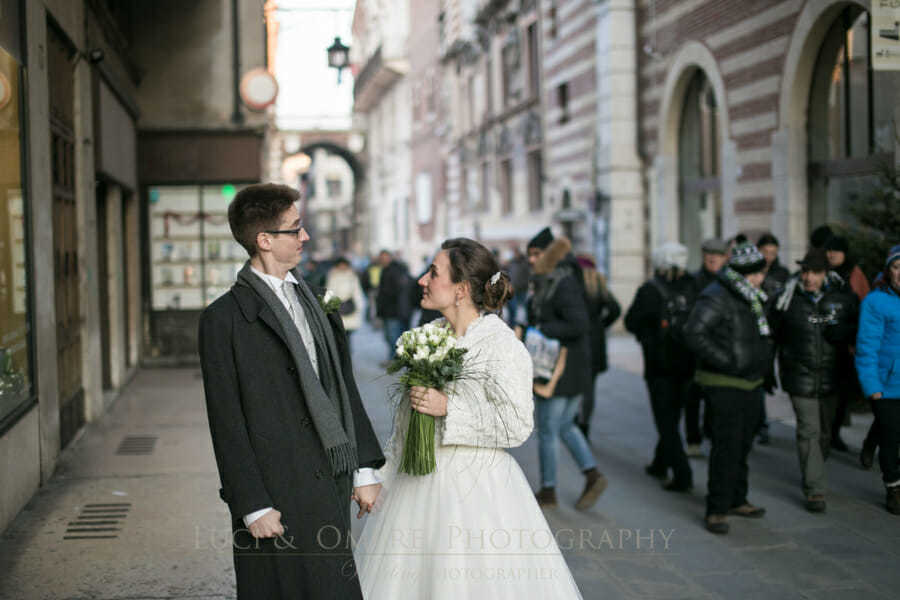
x=691, y=187
x=851, y=120
x=699, y=181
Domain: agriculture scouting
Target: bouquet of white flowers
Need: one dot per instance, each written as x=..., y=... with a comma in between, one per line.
x=432, y=359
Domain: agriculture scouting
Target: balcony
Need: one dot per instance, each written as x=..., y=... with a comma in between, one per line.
x=376, y=78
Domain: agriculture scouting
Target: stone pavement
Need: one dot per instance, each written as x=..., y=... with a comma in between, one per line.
x=143, y=519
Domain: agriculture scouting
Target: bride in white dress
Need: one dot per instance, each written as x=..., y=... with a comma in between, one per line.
x=472, y=528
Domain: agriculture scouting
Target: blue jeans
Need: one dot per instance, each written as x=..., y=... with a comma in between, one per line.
x=556, y=419
x=393, y=329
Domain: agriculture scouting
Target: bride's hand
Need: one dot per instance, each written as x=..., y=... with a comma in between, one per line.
x=428, y=401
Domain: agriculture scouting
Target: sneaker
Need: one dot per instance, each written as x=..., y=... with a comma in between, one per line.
x=655, y=472
x=594, y=485
x=867, y=457
x=748, y=510
x=717, y=524
x=678, y=486
x=694, y=451
x=815, y=503
x=546, y=497
x=893, y=500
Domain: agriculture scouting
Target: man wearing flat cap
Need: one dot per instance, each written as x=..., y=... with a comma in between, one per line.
x=728, y=331
x=813, y=323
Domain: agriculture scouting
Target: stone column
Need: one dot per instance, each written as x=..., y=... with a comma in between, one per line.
x=619, y=169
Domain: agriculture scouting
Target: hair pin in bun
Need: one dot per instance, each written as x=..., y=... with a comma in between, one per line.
x=495, y=278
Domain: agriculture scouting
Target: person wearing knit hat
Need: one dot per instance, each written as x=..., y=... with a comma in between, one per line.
x=541, y=240
x=842, y=262
x=820, y=236
x=776, y=278
x=656, y=318
x=878, y=365
x=728, y=332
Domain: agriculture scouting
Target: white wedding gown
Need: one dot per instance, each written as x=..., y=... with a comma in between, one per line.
x=471, y=529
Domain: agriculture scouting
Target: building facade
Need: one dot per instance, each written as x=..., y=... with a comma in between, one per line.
x=118, y=162
x=197, y=148
x=382, y=107
x=69, y=263
x=763, y=116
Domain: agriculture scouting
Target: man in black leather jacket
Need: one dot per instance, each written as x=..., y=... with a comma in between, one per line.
x=715, y=255
x=728, y=331
x=813, y=325
x=668, y=365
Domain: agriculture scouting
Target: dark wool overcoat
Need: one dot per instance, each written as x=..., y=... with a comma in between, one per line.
x=269, y=454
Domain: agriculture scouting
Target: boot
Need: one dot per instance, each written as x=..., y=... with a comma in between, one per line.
x=893, y=499
x=717, y=524
x=748, y=510
x=594, y=485
x=815, y=503
x=546, y=497
x=867, y=456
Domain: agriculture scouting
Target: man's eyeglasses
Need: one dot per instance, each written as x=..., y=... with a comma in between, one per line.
x=293, y=232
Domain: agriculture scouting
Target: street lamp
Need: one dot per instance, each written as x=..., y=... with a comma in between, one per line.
x=338, y=56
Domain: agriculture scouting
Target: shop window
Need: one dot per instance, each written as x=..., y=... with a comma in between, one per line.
x=15, y=337
x=194, y=257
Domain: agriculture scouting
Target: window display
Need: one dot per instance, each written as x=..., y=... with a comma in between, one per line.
x=15, y=338
x=194, y=258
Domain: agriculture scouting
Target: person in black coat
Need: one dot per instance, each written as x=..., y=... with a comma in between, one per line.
x=557, y=309
x=289, y=432
x=715, y=255
x=776, y=278
x=813, y=325
x=396, y=298
x=729, y=333
x=656, y=317
x=603, y=310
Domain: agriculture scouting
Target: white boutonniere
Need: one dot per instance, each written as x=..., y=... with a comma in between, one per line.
x=329, y=302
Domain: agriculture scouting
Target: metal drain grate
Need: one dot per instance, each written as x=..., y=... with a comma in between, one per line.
x=98, y=521
x=133, y=445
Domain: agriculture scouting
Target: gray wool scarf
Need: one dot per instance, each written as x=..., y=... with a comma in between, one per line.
x=325, y=393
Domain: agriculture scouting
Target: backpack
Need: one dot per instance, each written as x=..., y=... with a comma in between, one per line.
x=676, y=310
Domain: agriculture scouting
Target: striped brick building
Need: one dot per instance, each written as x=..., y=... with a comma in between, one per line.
x=757, y=116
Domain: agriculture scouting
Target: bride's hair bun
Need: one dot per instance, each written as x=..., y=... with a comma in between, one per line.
x=475, y=264
x=497, y=291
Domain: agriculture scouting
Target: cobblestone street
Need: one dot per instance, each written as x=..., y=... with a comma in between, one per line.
x=164, y=529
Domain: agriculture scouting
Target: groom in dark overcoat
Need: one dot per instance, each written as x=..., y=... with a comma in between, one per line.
x=292, y=441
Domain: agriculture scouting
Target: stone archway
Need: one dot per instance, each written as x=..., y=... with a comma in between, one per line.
x=789, y=143
x=292, y=144
x=664, y=205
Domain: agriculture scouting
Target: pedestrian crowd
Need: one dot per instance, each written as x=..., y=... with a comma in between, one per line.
x=714, y=343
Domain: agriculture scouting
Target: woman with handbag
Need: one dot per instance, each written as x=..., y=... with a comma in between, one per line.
x=557, y=311
x=344, y=283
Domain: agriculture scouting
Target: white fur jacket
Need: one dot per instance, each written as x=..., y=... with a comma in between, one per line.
x=492, y=406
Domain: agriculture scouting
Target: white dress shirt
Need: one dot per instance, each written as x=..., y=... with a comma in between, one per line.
x=361, y=477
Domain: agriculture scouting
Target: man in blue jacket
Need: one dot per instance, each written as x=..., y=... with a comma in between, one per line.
x=878, y=365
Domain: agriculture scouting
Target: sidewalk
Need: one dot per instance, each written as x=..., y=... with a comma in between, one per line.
x=150, y=525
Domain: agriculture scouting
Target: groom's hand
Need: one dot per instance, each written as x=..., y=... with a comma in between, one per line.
x=267, y=526
x=365, y=496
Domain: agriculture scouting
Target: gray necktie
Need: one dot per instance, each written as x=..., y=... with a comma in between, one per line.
x=298, y=315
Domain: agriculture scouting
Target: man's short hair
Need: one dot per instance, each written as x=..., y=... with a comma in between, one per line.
x=257, y=208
